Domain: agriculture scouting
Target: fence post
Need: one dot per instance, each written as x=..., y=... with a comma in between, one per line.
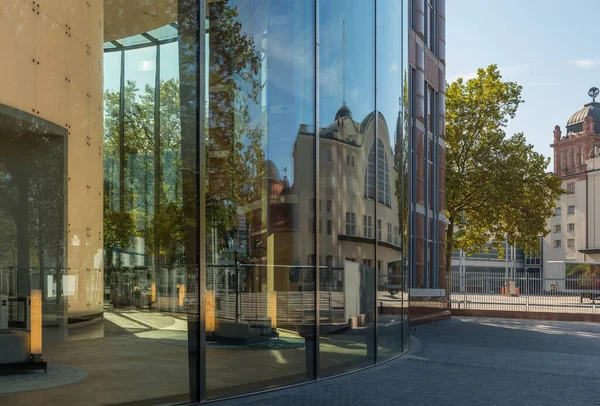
x=238, y=307
x=330, y=302
x=465, y=288
x=527, y=291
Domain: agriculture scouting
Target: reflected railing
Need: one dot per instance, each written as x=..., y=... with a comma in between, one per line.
x=246, y=292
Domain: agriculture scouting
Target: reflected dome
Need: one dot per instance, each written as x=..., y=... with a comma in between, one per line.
x=344, y=111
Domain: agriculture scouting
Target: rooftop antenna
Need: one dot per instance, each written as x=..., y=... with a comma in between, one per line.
x=344, y=58
x=593, y=93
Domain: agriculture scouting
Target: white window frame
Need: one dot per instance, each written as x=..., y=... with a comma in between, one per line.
x=367, y=226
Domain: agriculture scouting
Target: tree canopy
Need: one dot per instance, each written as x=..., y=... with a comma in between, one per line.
x=497, y=186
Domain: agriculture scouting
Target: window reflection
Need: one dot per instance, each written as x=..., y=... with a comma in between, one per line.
x=261, y=212
x=351, y=132
x=119, y=202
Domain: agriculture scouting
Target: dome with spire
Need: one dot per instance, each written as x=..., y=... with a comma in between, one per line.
x=344, y=111
x=575, y=123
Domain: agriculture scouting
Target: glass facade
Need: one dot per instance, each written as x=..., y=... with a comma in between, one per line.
x=209, y=198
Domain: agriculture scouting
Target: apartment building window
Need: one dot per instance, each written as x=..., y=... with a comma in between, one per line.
x=329, y=206
x=367, y=262
x=320, y=228
x=313, y=205
x=350, y=259
x=353, y=160
x=311, y=225
x=571, y=188
x=329, y=261
x=557, y=211
x=571, y=242
x=320, y=205
x=430, y=25
x=557, y=228
x=368, y=226
x=383, y=193
x=571, y=210
x=396, y=236
x=389, y=232
x=329, y=227
x=557, y=243
x=571, y=226
x=350, y=223
x=379, y=266
x=348, y=160
x=379, y=230
x=329, y=155
x=312, y=260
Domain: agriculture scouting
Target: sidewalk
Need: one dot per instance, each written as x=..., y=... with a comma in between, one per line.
x=470, y=361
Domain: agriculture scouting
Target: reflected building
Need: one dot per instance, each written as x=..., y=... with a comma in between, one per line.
x=179, y=184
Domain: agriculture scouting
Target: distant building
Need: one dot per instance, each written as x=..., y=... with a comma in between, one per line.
x=515, y=259
x=575, y=227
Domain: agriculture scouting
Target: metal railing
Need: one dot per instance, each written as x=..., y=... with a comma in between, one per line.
x=524, y=292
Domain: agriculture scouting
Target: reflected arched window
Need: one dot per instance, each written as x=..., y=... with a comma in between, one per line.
x=383, y=187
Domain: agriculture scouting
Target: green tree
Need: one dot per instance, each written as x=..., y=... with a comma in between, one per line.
x=497, y=186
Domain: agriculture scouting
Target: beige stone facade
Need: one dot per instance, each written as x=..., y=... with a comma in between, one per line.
x=54, y=72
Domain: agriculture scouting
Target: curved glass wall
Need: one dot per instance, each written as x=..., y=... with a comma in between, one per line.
x=240, y=220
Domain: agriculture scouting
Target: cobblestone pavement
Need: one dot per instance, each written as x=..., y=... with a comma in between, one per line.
x=470, y=361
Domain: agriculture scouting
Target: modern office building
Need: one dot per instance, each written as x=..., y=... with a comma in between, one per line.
x=575, y=226
x=470, y=273
x=207, y=198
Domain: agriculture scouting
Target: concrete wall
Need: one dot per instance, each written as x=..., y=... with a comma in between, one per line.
x=52, y=68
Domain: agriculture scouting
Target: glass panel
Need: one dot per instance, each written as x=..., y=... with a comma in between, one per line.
x=134, y=40
x=164, y=33
x=97, y=262
x=347, y=72
x=260, y=197
x=390, y=105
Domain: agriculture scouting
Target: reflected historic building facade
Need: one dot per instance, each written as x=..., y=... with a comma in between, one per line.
x=245, y=204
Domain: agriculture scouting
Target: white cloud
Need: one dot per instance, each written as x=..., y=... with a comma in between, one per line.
x=586, y=63
x=394, y=67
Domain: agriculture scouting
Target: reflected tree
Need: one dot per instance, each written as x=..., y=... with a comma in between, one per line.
x=235, y=156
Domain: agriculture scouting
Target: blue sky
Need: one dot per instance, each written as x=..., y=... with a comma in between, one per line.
x=550, y=47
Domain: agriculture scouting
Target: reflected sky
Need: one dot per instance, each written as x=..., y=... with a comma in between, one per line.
x=287, y=45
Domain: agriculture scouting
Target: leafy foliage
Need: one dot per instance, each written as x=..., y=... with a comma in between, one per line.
x=497, y=186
